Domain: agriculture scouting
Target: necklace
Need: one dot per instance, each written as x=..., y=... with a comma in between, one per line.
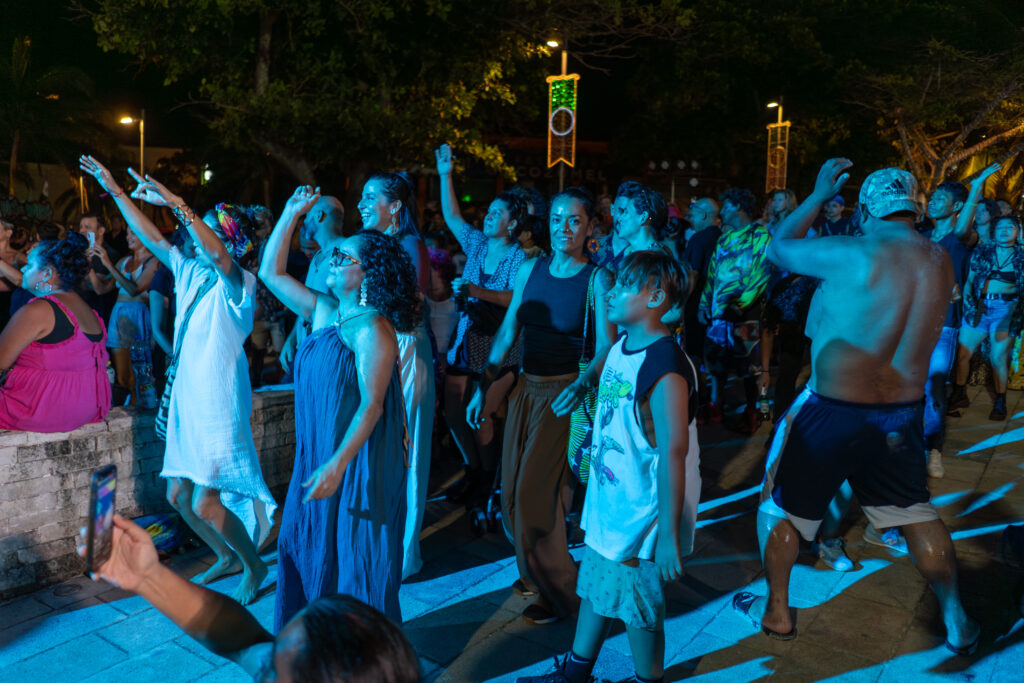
x=1000, y=264
x=341, y=321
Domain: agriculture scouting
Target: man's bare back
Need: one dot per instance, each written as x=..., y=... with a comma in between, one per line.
x=873, y=326
x=879, y=310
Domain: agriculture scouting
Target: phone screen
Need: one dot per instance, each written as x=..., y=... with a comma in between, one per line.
x=91, y=236
x=101, y=517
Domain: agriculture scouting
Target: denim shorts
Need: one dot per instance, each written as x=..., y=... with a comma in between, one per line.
x=995, y=315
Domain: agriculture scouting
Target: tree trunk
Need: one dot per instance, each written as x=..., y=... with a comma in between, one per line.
x=293, y=162
x=14, y=162
x=267, y=19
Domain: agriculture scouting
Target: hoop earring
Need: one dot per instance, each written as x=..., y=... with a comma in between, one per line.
x=362, y=293
x=48, y=288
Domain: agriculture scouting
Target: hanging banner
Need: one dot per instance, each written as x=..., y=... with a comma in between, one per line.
x=562, y=119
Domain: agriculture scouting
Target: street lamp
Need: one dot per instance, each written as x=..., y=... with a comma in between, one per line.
x=778, y=150
x=127, y=121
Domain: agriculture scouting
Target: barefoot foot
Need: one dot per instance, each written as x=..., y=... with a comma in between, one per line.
x=224, y=566
x=250, y=585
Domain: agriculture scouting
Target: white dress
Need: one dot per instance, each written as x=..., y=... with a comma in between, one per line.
x=209, y=438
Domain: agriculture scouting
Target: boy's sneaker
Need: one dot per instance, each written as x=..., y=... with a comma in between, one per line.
x=935, y=468
x=831, y=552
x=890, y=538
x=556, y=676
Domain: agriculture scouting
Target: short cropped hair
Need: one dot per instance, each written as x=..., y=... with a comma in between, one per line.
x=655, y=270
x=744, y=199
x=956, y=190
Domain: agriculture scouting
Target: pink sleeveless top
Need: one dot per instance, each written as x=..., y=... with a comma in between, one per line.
x=57, y=387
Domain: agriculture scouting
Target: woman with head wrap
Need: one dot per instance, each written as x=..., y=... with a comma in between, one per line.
x=213, y=473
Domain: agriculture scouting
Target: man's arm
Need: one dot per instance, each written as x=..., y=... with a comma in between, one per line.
x=819, y=258
x=964, y=229
x=669, y=400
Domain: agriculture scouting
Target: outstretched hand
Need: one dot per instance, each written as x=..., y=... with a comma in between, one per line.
x=132, y=555
x=302, y=200
x=987, y=172
x=445, y=159
x=98, y=171
x=152, y=191
x=831, y=178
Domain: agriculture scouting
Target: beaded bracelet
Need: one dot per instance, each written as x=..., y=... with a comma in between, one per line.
x=184, y=214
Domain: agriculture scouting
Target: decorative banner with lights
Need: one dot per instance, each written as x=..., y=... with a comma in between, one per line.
x=562, y=119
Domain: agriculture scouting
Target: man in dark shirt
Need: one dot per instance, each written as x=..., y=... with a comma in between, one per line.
x=99, y=289
x=951, y=208
x=835, y=223
x=703, y=218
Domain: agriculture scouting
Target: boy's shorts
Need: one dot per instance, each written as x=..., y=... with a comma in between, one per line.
x=631, y=591
x=820, y=442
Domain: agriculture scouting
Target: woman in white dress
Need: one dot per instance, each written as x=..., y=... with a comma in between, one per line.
x=213, y=472
x=388, y=205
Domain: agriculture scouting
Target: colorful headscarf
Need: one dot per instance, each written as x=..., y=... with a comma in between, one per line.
x=236, y=235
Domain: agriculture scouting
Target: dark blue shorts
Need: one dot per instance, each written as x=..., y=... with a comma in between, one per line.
x=821, y=442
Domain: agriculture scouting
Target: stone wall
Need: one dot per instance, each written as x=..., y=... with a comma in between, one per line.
x=44, y=483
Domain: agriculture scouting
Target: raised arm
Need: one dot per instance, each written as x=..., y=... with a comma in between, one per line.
x=219, y=623
x=10, y=273
x=965, y=219
x=825, y=258
x=273, y=270
x=449, y=202
x=376, y=350
x=206, y=240
x=148, y=233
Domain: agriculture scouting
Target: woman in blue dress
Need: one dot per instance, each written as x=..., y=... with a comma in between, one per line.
x=344, y=515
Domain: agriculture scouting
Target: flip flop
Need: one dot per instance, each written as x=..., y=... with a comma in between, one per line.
x=743, y=601
x=965, y=650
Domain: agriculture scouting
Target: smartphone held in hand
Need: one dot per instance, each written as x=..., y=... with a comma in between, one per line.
x=100, y=529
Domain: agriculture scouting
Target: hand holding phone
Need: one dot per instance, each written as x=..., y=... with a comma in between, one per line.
x=91, y=237
x=100, y=529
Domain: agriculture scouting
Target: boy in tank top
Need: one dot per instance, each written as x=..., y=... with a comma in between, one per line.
x=641, y=505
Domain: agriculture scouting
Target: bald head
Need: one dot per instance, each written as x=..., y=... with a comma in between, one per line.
x=703, y=213
x=325, y=220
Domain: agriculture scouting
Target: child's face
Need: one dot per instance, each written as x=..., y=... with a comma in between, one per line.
x=628, y=304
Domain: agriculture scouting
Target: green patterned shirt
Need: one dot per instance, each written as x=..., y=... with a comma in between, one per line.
x=738, y=274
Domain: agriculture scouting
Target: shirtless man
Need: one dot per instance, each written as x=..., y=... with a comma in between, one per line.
x=874, y=321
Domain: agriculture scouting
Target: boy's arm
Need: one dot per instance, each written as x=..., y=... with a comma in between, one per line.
x=670, y=400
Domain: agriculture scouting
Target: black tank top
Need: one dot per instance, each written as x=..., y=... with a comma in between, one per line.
x=63, y=328
x=552, y=313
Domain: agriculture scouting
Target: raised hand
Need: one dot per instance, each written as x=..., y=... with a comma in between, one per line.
x=445, y=159
x=98, y=171
x=132, y=555
x=101, y=254
x=152, y=191
x=831, y=178
x=302, y=200
x=987, y=172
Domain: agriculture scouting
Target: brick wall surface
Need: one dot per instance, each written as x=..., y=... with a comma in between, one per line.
x=44, y=483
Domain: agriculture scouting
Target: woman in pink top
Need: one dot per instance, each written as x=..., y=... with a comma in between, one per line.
x=53, y=356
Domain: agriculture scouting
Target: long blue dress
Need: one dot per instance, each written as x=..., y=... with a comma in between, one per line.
x=351, y=542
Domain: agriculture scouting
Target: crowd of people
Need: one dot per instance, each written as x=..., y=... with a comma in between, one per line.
x=568, y=345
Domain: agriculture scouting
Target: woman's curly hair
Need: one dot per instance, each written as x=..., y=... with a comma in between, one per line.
x=391, y=284
x=67, y=257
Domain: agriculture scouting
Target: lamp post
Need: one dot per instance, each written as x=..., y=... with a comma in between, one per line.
x=778, y=151
x=562, y=116
x=127, y=121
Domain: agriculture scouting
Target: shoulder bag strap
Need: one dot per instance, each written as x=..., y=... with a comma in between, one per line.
x=203, y=289
x=586, y=314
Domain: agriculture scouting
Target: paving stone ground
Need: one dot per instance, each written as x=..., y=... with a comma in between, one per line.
x=877, y=623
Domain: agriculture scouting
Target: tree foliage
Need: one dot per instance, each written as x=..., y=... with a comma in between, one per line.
x=48, y=112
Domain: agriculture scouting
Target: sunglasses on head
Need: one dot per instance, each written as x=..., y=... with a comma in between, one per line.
x=340, y=259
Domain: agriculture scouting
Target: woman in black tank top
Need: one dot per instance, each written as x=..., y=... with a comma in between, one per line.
x=548, y=305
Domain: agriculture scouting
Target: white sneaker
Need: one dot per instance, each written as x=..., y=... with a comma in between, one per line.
x=935, y=468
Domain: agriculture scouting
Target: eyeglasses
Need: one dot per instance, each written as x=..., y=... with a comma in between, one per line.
x=340, y=259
